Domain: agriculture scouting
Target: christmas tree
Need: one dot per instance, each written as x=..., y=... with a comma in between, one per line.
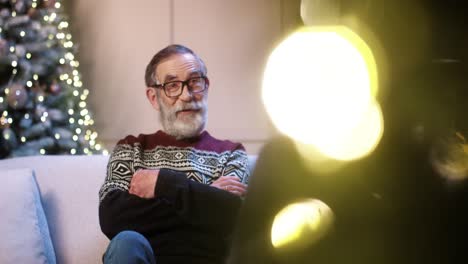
x=43, y=106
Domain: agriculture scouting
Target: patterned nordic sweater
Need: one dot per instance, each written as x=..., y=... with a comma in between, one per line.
x=188, y=221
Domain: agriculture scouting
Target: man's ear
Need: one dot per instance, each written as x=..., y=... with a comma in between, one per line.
x=207, y=83
x=152, y=96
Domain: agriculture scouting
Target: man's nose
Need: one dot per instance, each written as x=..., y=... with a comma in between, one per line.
x=186, y=94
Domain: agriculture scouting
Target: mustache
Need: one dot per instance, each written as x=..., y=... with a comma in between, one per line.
x=188, y=106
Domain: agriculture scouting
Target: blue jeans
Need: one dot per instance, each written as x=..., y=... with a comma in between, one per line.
x=129, y=247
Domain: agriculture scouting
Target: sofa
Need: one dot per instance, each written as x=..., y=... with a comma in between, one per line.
x=49, y=209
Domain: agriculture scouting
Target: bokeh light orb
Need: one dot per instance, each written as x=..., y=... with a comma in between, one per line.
x=301, y=224
x=449, y=157
x=319, y=88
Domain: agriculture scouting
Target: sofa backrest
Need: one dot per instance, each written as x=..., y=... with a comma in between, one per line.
x=69, y=187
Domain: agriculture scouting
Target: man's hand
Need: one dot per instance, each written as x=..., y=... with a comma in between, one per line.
x=143, y=183
x=231, y=184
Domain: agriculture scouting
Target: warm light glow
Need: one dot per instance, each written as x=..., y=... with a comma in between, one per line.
x=53, y=16
x=319, y=88
x=301, y=224
x=449, y=157
x=69, y=56
x=63, y=24
x=358, y=141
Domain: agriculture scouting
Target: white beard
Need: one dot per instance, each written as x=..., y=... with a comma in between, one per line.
x=181, y=129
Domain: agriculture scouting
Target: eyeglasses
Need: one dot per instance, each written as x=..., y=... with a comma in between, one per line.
x=173, y=89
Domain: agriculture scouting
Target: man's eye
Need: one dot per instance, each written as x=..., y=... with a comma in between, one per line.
x=172, y=85
x=195, y=81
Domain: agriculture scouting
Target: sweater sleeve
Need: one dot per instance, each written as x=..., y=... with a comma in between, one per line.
x=200, y=205
x=237, y=164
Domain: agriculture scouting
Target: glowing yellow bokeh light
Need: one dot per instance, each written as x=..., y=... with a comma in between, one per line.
x=359, y=140
x=301, y=224
x=319, y=88
x=449, y=157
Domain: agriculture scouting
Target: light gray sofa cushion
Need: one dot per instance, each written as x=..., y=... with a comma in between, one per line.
x=69, y=187
x=24, y=231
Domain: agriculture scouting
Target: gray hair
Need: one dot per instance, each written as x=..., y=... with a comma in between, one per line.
x=162, y=55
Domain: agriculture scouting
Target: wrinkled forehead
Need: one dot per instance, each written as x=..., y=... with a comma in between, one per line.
x=178, y=66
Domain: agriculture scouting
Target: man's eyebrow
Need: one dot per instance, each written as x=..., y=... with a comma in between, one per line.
x=197, y=72
x=169, y=78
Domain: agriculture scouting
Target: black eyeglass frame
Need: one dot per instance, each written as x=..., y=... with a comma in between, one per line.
x=184, y=83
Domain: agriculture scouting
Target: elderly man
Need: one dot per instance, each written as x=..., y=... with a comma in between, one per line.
x=173, y=196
